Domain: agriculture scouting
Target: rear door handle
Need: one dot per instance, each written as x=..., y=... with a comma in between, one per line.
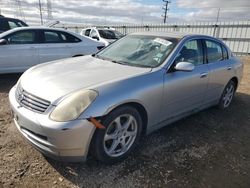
x=229, y=68
x=203, y=75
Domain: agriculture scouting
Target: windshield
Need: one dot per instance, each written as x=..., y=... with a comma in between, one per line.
x=137, y=50
x=110, y=34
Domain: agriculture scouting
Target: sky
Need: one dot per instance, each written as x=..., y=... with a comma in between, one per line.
x=104, y=12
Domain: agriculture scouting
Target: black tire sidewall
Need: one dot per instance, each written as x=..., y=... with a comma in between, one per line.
x=97, y=146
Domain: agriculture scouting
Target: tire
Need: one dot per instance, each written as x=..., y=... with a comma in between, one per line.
x=118, y=140
x=227, y=95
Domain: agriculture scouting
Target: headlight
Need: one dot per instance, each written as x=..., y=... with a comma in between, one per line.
x=72, y=106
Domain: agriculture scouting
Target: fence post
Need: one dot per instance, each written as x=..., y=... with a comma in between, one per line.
x=124, y=29
x=218, y=32
x=215, y=28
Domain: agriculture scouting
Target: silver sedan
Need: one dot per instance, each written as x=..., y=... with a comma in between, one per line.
x=102, y=104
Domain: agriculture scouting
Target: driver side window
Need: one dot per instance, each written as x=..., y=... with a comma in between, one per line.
x=191, y=52
x=22, y=37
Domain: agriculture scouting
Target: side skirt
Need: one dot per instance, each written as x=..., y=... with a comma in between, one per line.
x=181, y=116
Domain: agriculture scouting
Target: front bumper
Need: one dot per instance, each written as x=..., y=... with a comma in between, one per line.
x=66, y=141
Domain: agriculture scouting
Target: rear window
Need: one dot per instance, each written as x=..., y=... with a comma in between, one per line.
x=214, y=51
x=70, y=38
x=59, y=37
x=224, y=51
x=52, y=37
x=110, y=34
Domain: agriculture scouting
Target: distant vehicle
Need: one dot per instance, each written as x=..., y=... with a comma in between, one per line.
x=106, y=35
x=10, y=23
x=105, y=102
x=24, y=47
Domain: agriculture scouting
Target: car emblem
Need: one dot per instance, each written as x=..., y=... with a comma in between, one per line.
x=20, y=97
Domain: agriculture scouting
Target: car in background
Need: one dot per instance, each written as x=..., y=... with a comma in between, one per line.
x=105, y=102
x=10, y=23
x=105, y=35
x=24, y=47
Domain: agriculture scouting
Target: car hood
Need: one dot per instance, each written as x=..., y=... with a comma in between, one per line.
x=54, y=80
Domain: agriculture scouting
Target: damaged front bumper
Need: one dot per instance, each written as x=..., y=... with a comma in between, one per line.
x=66, y=141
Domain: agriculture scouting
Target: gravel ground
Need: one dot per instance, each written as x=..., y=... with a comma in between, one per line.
x=208, y=149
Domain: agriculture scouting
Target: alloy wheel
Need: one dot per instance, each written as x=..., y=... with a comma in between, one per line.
x=228, y=95
x=120, y=135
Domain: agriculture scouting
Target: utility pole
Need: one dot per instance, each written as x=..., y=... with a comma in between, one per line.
x=49, y=10
x=216, y=26
x=41, y=14
x=166, y=9
x=218, y=15
x=20, y=9
x=0, y=8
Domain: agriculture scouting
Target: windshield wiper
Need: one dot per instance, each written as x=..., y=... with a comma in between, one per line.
x=104, y=58
x=131, y=64
x=120, y=62
x=99, y=57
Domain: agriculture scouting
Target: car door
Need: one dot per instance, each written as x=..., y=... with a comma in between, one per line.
x=53, y=46
x=20, y=52
x=184, y=91
x=220, y=68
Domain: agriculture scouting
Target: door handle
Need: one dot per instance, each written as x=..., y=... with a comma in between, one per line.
x=229, y=68
x=203, y=75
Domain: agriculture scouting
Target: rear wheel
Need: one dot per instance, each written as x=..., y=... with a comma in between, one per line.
x=227, y=95
x=123, y=129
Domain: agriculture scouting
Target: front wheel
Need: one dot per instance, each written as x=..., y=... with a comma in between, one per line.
x=227, y=95
x=123, y=129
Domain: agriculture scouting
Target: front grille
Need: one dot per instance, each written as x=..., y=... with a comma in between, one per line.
x=30, y=101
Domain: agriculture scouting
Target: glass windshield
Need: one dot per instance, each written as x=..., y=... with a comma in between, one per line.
x=137, y=50
x=110, y=34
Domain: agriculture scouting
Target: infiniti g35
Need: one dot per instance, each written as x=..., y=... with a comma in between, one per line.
x=105, y=102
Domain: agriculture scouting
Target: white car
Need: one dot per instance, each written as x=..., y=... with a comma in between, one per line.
x=22, y=48
x=107, y=36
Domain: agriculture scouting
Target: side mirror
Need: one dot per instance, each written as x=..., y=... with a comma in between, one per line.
x=184, y=66
x=96, y=37
x=3, y=42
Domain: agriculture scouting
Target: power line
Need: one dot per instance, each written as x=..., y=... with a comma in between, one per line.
x=49, y=10
x=40, y=10
x=20, y=9
x=166, y=9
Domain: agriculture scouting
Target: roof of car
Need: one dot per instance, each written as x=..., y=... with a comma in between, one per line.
x=35, y=27
x=8, y=18
x=178, y=35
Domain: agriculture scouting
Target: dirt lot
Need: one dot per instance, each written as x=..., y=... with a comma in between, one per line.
x=209, y=149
